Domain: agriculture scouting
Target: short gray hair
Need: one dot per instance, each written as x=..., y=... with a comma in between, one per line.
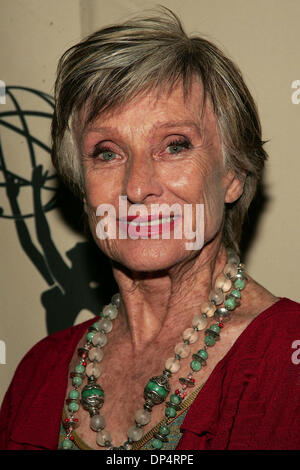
x=114, y=64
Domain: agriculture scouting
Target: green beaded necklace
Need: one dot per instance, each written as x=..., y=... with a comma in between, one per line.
x=158, y=388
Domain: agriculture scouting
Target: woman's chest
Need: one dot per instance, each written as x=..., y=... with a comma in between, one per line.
x=123, y=380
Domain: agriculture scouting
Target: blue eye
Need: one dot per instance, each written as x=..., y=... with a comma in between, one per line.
x=105, y=153
x=177, y=146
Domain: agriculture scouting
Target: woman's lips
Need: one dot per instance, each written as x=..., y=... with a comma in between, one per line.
x=146, y=226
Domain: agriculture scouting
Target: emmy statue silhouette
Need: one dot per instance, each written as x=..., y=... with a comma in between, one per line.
x=87, y=283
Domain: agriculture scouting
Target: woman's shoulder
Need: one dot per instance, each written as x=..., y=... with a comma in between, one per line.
x=53, y=352
x=39, y=384
x=268, y=315
x=58, y=343
x=270, y=336
x=282, y=315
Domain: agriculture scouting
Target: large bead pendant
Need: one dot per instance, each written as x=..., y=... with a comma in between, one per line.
x=92, y=397
x=158, y=388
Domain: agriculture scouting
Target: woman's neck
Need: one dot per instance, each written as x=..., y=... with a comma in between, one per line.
x=162, y=304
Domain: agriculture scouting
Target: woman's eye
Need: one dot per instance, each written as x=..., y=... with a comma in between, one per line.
x=108, y=155
x=104, y=154
x=178, y=146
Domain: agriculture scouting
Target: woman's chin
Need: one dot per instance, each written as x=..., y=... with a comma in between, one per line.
x=151, y=255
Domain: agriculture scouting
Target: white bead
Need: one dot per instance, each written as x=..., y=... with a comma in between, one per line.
x=135, y=433
x=113, y=313
x=208, y=309
x=99, y=339
x=142, y=416
x=222, y=282
x=182, y=350
x=96, y=354
x=106, y=325
x=93, y=369
x=200, y=321
x=110, y=311
x=217, y=296
x=97, y=422
x=172, y=364
x=190, y=334
x=230, y=270
x=102, y=437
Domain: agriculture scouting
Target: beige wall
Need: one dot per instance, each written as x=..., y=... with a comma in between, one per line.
x=262, y=36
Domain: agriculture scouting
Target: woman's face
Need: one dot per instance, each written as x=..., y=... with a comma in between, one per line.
x=156, y=150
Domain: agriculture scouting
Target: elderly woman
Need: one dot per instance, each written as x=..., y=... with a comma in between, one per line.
x=191, y=353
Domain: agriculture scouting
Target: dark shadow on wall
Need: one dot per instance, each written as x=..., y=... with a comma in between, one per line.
x=256, y=210
x=88, y=282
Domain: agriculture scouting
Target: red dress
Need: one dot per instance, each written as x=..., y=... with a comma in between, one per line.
x=250, y=401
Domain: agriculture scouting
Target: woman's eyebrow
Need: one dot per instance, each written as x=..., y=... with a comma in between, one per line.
x=99, y=129
x=183, y=123
x=165, y=125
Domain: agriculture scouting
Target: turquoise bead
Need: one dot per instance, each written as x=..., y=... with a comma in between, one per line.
x=92, y=391
x=77, y=381
x=236, y=293
x=74, y=394
x=239, y=284
x=96, y=326
x=230, y=303
x=67, y=444
x=79, y=369
x=175, y=399
x=73, y=406
x=156, y=443
x=195, y=365
x=215, y=328
x=164, y=430
x=90, y=335
x=170, y=412
x=203, y=354
x=154, y=387
x=209, y=340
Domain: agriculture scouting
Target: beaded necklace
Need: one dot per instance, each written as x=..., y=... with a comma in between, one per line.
x=157, y=389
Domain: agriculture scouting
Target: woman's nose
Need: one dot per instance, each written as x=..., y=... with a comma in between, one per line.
x=142, y=182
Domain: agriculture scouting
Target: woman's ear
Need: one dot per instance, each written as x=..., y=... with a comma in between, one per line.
x=235, y=186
